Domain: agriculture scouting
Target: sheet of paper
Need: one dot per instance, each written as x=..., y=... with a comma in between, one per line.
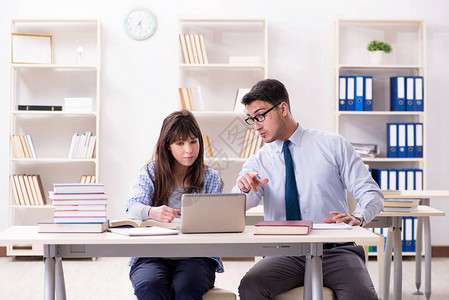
x=140, y=231
x=335, y=226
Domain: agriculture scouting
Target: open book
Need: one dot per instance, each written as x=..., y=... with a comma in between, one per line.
x=175, y=224
x=141, y=231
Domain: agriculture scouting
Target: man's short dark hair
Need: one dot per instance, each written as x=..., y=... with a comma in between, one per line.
x=270, y=90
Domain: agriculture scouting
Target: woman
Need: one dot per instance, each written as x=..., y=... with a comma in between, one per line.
x=177, y=167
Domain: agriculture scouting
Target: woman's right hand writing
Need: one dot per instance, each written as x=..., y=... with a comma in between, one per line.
x=163, y=213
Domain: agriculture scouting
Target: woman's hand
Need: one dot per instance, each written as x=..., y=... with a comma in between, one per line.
x=163, y=213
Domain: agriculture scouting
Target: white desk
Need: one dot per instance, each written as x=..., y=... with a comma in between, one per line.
x=393, y=220
x=58, y=246
x=423, y=221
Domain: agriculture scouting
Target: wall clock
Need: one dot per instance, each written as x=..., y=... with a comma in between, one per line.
x=140, y=23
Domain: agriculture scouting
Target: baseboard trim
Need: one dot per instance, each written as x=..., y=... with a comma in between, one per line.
x=2, y=251
x=440, y=251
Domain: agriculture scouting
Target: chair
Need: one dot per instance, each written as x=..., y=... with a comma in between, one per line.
x=298, y=292
x=215, y=294
x=219, y=294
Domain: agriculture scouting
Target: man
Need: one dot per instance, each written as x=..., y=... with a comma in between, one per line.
x=304, y=174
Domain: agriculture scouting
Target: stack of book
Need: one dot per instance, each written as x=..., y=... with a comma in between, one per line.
x=366, y=150
x=83, y=145
x=401, y=205
x=193, y=49
x=23, y=146
x=79, y=203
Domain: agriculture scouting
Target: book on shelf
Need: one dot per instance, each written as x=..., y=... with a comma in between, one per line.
x=191, y=98
x=78, y=188
x=175, y=224
x=82, y=145
x=79, y=104
x=208, y=146
x=238, y=106
x=48, y=226
x=23, y=146
x=27, y=189
x=88, y=179
x=301, y=227
x=40, y=107
x=401, y=202
x=143, y=231
x=251, y=143
x=193, y=48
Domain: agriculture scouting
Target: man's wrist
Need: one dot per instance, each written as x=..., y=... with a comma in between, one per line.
x=359, y=217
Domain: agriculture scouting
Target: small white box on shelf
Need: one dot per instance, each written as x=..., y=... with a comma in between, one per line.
x=78, y=104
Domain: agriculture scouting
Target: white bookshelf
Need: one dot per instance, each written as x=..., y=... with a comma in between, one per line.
x=219, y=81
x=408, y=58
x=69, y=75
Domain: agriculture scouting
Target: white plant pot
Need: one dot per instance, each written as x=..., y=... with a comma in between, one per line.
x=376, y=57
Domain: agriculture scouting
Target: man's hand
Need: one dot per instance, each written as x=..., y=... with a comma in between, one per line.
x=342, y=218
x=249, y=181
x=163, y=213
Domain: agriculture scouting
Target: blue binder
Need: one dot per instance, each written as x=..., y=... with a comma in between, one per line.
x=402, y=180
x=402, y=139
x=359, y=89
x=408, y=234
x=368, y=106
x=392, y=139
x=397, y=93
x=409, y=93
x=419, y=93
x=342, y=93
x=410, y=182
x=381, y=177
x=392, y=179
x=411, y=138
x=418, y=140
x=350, y=93
x=419, y=184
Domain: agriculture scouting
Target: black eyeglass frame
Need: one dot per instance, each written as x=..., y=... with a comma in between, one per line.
x=259, y=117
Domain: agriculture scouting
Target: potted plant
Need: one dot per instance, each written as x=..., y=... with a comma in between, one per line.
x=376, y=48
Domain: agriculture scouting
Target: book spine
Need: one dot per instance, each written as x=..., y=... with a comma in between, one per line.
x=41, y=107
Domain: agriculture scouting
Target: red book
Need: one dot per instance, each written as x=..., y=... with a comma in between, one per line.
x=302, y=227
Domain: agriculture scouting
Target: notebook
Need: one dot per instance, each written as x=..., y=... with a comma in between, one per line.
x=212, y=213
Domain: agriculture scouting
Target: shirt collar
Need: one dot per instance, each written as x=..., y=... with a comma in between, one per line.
x=295, y=139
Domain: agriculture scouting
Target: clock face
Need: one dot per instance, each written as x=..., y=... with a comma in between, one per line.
x=140, y=23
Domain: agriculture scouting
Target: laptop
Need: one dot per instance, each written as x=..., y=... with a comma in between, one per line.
x=213, y=213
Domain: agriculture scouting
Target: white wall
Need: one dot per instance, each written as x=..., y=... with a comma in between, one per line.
x=139, y=78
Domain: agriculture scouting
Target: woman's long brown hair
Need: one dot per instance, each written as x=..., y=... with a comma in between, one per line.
x=178, y=125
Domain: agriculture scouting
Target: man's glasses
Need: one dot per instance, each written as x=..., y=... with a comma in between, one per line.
x=259, y=117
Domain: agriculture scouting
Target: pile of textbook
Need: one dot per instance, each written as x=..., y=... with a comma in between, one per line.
x=79, y=207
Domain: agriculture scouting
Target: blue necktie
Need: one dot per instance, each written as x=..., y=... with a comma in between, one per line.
x=292, y=210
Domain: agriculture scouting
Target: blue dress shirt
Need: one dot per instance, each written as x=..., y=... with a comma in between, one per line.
x=325, y=165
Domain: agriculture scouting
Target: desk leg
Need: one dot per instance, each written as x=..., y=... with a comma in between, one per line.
x=317, y=270
x=307, y=294
x=418, y=254
x=397, y=260
x=49, y=278
x=428, y=258
x=387, y=265
x=60, y=285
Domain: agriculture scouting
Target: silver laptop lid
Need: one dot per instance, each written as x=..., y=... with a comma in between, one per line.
x=213, y=213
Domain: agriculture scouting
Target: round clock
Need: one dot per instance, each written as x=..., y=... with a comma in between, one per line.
x=140, y=23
